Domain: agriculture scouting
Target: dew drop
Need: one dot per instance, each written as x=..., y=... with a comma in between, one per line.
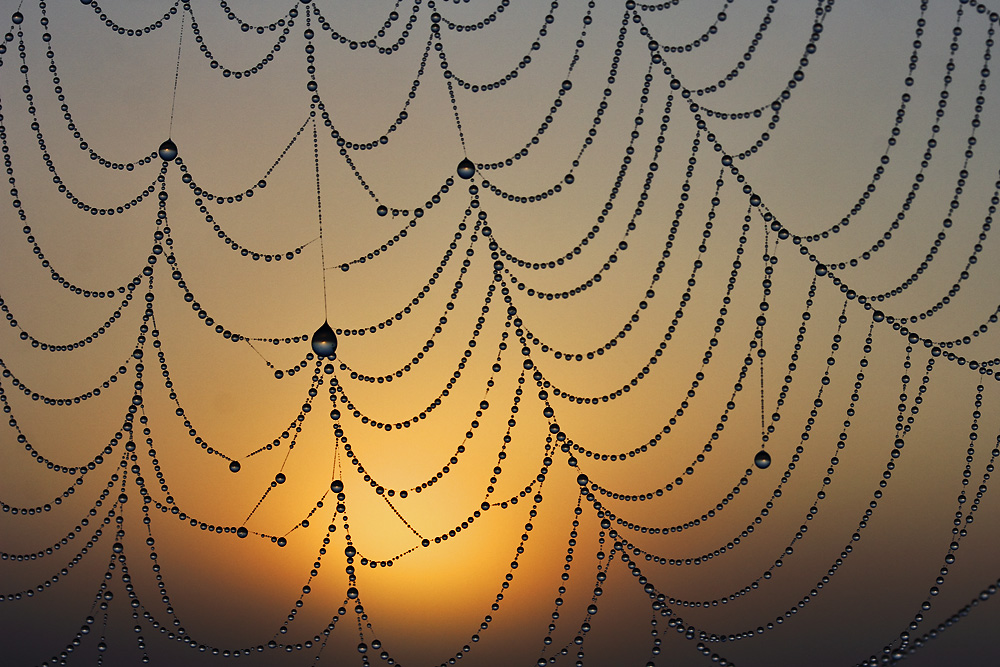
x=762, y=459
x=821, y=270
x=466, y=169
x=17, y=18
x=242, y=532
x=755, y=200
x=352, y=593
x=324, y=342
x=582, y=479
x=567, y=84
x=167, y=150
x=234, y=466
x=382, y=210
x=878, y=316
x=337, y=486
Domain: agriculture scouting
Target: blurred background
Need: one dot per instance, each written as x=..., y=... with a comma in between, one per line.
x=234, y=131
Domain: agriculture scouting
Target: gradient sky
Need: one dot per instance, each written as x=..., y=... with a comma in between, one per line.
x=233, y=132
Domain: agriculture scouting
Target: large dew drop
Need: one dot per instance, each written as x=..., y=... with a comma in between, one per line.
x=324, y=342
x=466, y=169
x=167, y=150
x=762, y=460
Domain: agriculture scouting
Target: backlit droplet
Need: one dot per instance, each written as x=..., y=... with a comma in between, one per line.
x=567, y=84
x=821, y=270
x=352, y=593
x=167, y=150
x=17, y=17
x=382, y=210
x=878, y=316
x=337, y=486
x=234, y=466
x=568, y=179
x=582, y=479
x=755, y=200
x=762, y=460
x=466, y=169
x=280, y=478
x=242, y=532
x=324, y=341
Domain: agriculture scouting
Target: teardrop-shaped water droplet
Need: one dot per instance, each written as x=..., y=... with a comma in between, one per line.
x=762, y=459
x=466, y=169
x=324, y=341
x=167, y=150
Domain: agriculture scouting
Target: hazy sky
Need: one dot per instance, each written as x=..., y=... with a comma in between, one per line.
x=646, y=211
